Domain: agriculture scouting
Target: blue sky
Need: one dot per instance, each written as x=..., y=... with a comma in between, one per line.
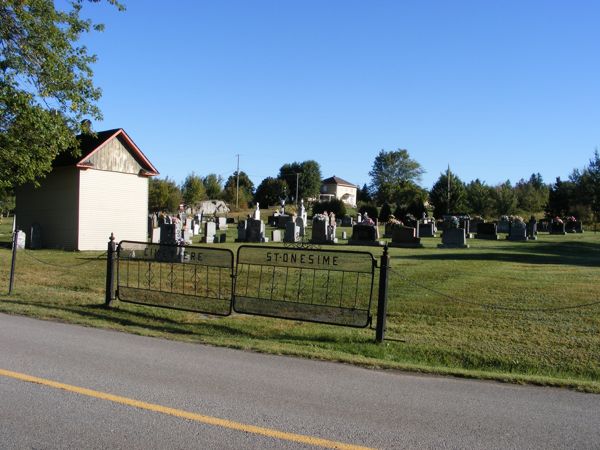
x=497, y=90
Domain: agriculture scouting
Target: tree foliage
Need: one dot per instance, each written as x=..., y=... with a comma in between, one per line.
x=7, y=202
x=270, y=191
x=560, y=197
x=335, y=205
x=370, y=209
x=213, y=184
x=246, y=190
x=532, y=195
x=193, y=190
x=363, y=194
x=411, y=200
x=163, y=195
x=392, y=173
x=385, y=213
x=479, y=198
x=505, y=199
x=46, y=86
x=444, y=200
x=308, y=175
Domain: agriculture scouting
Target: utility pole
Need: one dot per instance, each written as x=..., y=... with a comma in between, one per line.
x=297, y=175
x=448, y=191
x=237, y=182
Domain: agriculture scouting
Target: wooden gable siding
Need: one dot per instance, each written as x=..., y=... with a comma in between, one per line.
x=111, y=202
x=115, y=157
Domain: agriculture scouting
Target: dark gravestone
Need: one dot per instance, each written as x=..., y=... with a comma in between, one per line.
x=387, y=229
x=573, y=226
x=557, y=228
x=532, y=229
x=364, y=235
x=35, y=237
x=292, y=232
x=454, y=238
x=473, y=227
x=241, y=230
x=486, y=230
x=347, y=221
x=503, y=226
x=405, y=237
x=255, y=230
x=283, y=220
x=319, y=232
x=543, y=226
x=518, y=232
x=427, y=229
x=168, y=234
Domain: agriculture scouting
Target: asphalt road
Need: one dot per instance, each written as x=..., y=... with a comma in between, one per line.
x=314, y=399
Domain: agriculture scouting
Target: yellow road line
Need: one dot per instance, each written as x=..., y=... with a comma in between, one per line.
x=299, y=438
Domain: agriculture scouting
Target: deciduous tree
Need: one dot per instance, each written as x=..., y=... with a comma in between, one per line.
x=308, y=175
x=213, y=184
x=163, y=195
x=393, y=172
x=46, y=85
x=193, y=190
x=270, y=191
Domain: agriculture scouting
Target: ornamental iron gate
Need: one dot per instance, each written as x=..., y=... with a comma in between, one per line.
x=198, y=279
x=324, y=286
x=311, y=285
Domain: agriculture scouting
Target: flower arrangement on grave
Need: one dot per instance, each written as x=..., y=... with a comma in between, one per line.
x=571, y=219
x=557, y=220
x=320, y=217
x=517, y=219
x=504, y=218
x=452, y=222
x=367, y=220
x=392, y=220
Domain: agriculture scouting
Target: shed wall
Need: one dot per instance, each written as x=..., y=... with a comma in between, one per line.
x=111, y=202
x=54, y=206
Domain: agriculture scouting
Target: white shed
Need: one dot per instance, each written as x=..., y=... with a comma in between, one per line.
x=86, y=198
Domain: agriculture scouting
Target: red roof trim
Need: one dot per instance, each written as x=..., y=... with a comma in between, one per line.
x=150, y=173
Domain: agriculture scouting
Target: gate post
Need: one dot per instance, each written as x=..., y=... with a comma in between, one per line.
x=110, y=270
x=13, y=261
x=382, y=299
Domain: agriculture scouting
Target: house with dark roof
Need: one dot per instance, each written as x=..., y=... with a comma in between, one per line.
x=86, y=198
x=336, y=187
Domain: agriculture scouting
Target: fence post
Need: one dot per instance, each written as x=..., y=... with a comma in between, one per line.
x=13, y=262
x=382, y=299
x=110, y=270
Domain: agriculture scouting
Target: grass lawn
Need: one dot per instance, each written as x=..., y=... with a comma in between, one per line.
x=526, y=312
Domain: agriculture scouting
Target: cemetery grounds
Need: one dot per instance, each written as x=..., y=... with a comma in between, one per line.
x=521, y=312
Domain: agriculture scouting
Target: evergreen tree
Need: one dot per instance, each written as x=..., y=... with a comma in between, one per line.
x=479, y=198
x=448, y=195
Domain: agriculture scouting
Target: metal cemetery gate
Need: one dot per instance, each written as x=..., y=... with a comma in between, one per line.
x=323, y=286
x=198, y=279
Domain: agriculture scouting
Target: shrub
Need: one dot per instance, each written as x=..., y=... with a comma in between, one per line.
x=385, y=213
x=370, y=209
x=335, y=205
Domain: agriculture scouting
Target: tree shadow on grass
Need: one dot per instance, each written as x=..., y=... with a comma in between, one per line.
x=140, y=319
x=583, y=254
